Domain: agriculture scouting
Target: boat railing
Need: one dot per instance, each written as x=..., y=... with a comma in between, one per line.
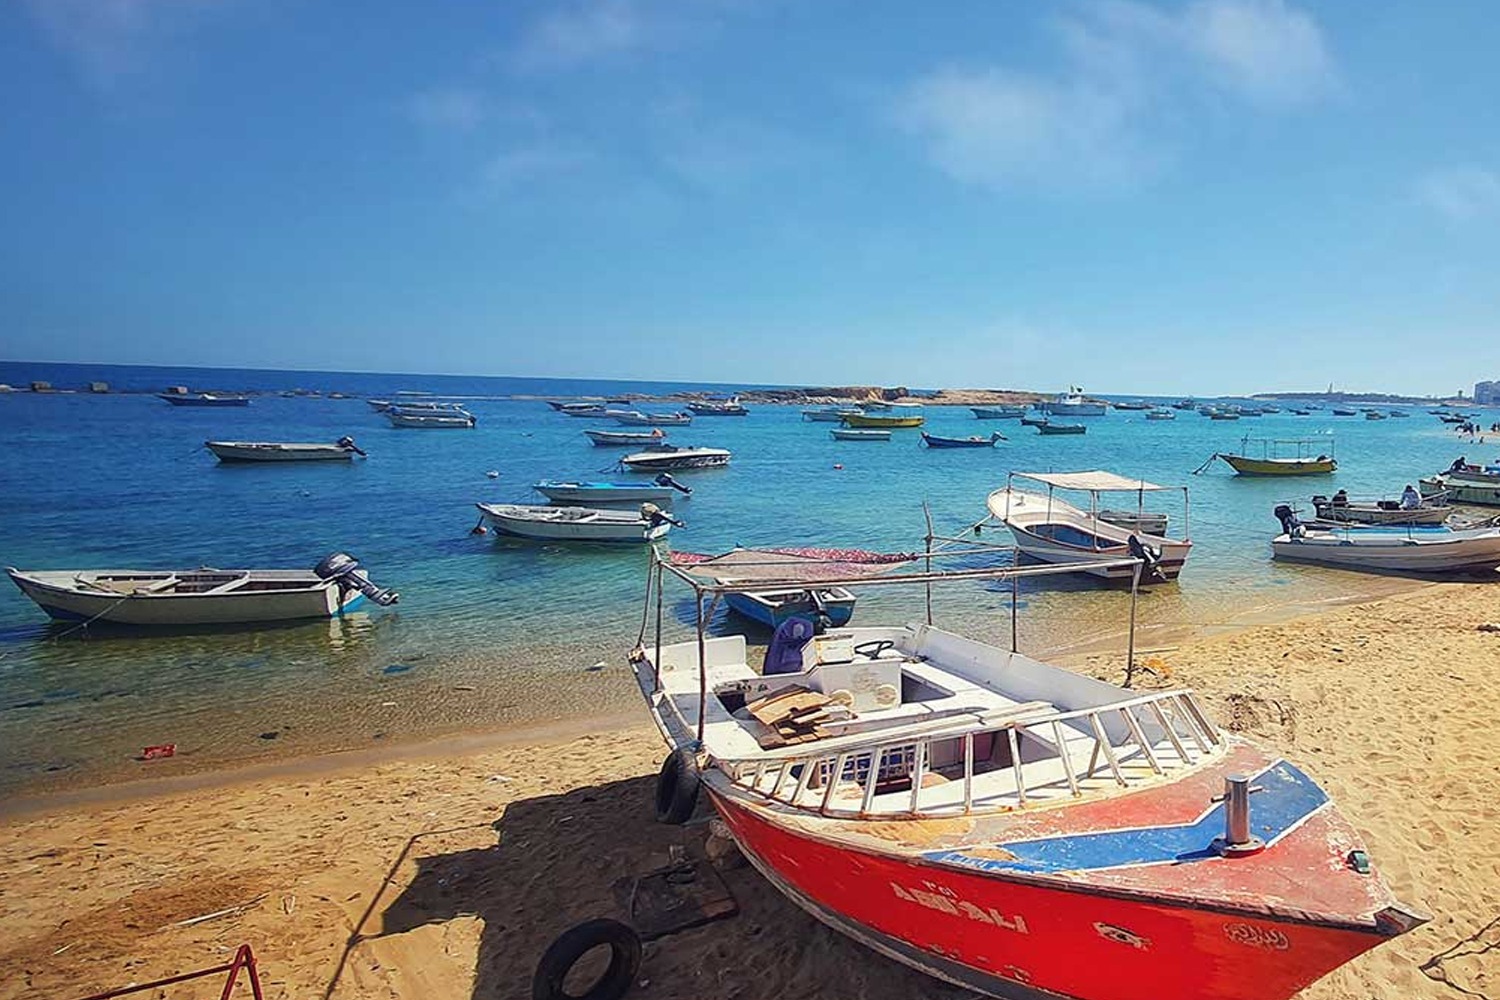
x=1125, y=742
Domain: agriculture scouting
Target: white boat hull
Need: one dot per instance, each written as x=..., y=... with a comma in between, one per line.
x=684, y=458
x=57, y=594
x=584, y=493
x=431, y=420
x=1393, y=551
x=1054, y=531
x=249, y=451
x=571, y=524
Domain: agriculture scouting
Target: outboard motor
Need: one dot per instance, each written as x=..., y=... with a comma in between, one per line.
x=784, y=655
x=345, y=570
x=656, y=516
x=1148, y=555
x=347, y=443
x=665, y=480
x=1290, y=523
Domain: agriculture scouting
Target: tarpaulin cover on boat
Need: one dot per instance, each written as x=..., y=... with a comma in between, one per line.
x=800, y=565
x=1098, y=480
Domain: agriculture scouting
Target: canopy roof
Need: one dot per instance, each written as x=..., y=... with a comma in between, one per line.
x=798, y=565
x=1097, y=481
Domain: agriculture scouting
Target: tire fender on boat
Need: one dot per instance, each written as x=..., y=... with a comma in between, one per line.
x=677, y=787
x=557, y=961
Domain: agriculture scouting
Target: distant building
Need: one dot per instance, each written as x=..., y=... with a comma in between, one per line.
x=1487, y=393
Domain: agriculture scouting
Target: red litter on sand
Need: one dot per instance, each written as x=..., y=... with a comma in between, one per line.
x=159, y=752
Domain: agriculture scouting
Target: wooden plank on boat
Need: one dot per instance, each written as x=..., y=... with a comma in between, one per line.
x=786, y=704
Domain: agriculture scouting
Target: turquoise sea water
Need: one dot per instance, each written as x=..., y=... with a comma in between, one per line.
x=496, y=632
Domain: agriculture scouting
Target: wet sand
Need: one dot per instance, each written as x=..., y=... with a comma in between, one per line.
x=445, y=873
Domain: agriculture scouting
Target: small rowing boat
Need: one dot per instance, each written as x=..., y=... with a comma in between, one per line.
x=402, y=416
x=834, y=605
x=1342, y=509
x=1464, y=483
x=1161, y=415
x=829, y=414
x=614, y=439
x=662, y=489
x=635, y=418
x=1397, y=549
x=1273, y=462
x=342, y=450
x=851, y=434
x=885, y=420
x=203, y=399
x=997, y=412
x=1048, y=427
x=176, y=598
x=934, y=441
x=731, y=407
x=578, y=524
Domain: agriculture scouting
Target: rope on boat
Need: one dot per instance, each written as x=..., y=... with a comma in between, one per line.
x=85, y=624
x=1205, y=465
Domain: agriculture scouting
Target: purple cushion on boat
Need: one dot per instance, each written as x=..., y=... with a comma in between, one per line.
x=784, y=655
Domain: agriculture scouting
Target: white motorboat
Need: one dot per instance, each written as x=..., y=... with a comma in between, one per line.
x=615, y=439
x=1051, y=530
x=342, y=450
x=662, y=489
x=1073, y=403
x=731, y=407
x=404, y=417
x=201, y=596
x=1341, y=508
x=578, y=524
x=1464, y=483
x=670, y=458
x=636, y=418
x=1161, y=414
x=829, y=414
x=860, y=434
x=998, y=412
x=1396, y=549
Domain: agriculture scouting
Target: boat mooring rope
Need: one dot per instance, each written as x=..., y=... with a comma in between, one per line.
x=1205, y=465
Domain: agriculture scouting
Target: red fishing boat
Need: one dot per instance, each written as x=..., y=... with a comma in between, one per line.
x=1001, y=823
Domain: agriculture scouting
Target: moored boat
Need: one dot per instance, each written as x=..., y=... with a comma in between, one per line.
x=1033, y=421
x=828, y=414
x=856, y=434
x=1139, y=404
x=1048, y=427
x=830, y=606
x=1047, y=528
x=203, y=399
x=670, y=458
x=1341, y=508
x=1073, y=403
x=1007, y=825
x=1273, y=460
x=1464, y=483
x=998, y=412
x=188, y=597
x=662, y=489
x=578, y=524
x=893, y=418
x=615, y=439
x=342, y=450
x=975, y=441
x=1162, y=414
x=731, y=407
x=402, y=416
x=1435, y=549
x=635, y=418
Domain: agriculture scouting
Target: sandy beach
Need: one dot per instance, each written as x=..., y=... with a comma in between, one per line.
x=446, y=873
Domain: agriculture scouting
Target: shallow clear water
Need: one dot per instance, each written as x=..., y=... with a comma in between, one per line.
x=493, y=633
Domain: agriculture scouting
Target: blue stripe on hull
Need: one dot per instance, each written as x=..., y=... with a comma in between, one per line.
x=1289, y=797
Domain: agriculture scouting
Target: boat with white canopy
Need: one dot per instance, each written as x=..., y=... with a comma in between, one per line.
x=1049, y=529
x=997, y=821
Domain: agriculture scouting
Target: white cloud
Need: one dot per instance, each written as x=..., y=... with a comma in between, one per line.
x=1126, y=67
x=112, y=39
x=460, y=109
x=1264, y=50
x=534, y=162
x=583, y=32
x=1461, y=193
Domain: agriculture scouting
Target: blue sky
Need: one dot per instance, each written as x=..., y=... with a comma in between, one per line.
x=1215, y=196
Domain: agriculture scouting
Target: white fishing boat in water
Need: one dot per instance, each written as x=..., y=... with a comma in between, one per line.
x=342, y=450
x=860, y=434
x=662, y=489
x=670, y=458
x=615, y=439
x=201, y=596
x=1341, y=508
x=1073, y=403
x=1464, y=483
x=830, y=414
x=578, y=524
x=1049, y=529
x=635, y=418
x=404, y=417
x=1435, y=549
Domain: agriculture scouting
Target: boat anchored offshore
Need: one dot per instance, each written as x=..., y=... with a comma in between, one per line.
x=934, y=441
x=578, y=524
x=998, y=412
x=402, y=416
x=635, y=418
x=342, y=450
x=662, y=488
x=186, y=597
x=731, y=407
x=829, y=414
x=892, y=417
x=614, y=439
x=1273, y=459
x=203, y=399
x=670, y=458
x=1001, y=823
x=1389, y=548
x=1048, y=427
x=1073, y=403
x=859, y=434
x=1049, y=529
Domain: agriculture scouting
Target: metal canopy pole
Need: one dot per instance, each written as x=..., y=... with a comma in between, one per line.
x=702, y=665
x=660, y=599
x=927, y=512
x=1135, y=585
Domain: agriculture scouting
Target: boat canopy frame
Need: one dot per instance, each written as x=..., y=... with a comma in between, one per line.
x=1095, y=482
x=713, y=587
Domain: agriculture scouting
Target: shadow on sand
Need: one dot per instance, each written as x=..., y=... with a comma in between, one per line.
x=556, y=861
